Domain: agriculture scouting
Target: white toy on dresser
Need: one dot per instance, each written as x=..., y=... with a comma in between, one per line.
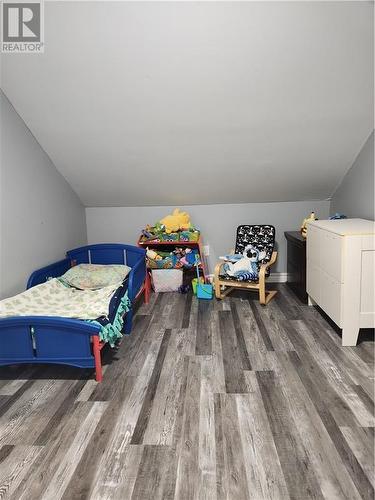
x=340, y=273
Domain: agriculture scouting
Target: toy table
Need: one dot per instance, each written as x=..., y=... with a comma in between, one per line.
x=166, y=245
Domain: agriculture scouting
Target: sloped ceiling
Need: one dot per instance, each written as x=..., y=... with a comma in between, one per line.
x=166, y=103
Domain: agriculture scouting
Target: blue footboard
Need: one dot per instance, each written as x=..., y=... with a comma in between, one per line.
x=38, y=339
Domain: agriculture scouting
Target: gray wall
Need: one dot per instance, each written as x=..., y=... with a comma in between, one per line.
x=217, y=222
x=355, y=195
x=40, y=215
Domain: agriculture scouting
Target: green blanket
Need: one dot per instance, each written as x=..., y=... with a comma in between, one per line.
x=111, y=332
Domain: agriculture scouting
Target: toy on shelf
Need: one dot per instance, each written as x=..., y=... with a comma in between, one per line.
x=151, y=254
x=310, y=218
x=173, y=243
x=169, y=237
x=190, y=257
x=178, y=221
x=177, y=259
x=192, y=235
x=168, y=262
x=172, y=228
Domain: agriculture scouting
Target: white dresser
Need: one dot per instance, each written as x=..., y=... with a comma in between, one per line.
x=341, y=271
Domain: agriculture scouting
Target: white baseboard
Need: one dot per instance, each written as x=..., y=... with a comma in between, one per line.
x=274, y=278
x=278, y=278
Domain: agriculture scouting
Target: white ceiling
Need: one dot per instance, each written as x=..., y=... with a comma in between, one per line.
x=167, y=103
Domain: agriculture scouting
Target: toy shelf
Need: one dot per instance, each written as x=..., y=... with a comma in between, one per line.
x=160, y=245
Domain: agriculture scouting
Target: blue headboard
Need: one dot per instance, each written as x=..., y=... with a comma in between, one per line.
x=106, y=253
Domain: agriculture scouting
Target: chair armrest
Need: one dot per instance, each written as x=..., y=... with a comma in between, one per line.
x=264, y=267
x=217, y=268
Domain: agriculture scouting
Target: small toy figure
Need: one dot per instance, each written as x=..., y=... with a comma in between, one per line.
x=244, y=267
x=337, y=216
x=310, y=218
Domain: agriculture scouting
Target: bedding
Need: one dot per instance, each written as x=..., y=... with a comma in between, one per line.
x=53, y=298
x=67, y=339
x=95, y=276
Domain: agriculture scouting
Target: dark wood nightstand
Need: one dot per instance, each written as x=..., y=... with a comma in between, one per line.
x=296, y=263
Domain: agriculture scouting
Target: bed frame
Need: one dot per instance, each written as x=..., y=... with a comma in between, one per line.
x=58, y=340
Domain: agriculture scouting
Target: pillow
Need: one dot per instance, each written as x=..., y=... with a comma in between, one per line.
x=95, y=276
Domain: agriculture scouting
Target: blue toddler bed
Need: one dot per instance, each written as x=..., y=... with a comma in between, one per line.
x=59, y=340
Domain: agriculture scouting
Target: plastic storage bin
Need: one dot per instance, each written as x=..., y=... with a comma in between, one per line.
x=204, y=291
x=166, y=280
x=194, y=282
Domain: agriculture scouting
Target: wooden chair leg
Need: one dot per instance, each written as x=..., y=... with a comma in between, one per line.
x=262, y=293
x=270, y=295
x=217, y=283
x=217, y=289
x=227, y=291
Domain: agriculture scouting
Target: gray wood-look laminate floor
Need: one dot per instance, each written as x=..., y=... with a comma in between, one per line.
x=204, y=400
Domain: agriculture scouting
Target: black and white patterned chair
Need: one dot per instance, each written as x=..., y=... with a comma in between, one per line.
x=262, y=237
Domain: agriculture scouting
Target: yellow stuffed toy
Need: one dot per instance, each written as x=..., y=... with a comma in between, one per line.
x=304, y=223
x=178, y=221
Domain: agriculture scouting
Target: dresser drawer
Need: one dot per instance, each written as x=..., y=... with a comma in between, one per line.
x=313, y=281
x=331, y=297
x=313, y=244
x=367, y=282
x=331, y=255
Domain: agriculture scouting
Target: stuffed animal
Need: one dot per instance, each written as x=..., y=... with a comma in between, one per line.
x=151, y=254
x=190, y=258
x=244, y=267
x=337, y=216
x=310, y=218
x=178, y=221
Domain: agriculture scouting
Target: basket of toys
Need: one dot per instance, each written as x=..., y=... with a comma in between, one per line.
x=192, y=235
x=177, y=259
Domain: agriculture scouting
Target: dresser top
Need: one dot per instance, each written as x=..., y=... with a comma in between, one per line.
x=295, y=236
x=346, y=227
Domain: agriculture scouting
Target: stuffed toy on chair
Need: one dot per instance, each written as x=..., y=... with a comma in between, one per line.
x=244, y=267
